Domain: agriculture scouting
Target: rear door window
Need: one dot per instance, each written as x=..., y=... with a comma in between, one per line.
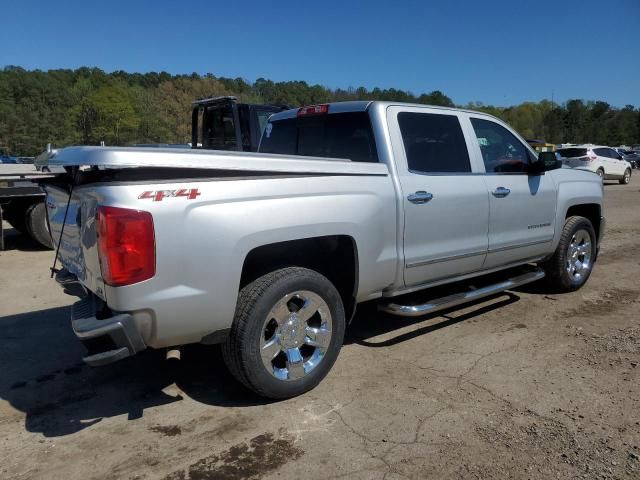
x=601, y=152
x=335, y=135
x=433, y=143
x=501, y=151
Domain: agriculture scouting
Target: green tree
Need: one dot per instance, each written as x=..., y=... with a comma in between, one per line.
x=436, y=98
x=117, y=121
x=86, y=105
x=576, y=122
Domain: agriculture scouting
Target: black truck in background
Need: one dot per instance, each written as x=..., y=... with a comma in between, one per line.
x=220, y=123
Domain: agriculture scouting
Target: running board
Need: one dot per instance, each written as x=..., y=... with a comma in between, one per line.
x=456, y=299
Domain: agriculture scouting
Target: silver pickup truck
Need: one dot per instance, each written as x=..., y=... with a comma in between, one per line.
x=269, y=253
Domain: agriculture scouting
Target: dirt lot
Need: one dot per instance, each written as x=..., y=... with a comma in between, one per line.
x=525, y=385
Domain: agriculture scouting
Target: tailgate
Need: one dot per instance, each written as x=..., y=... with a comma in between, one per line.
x=577, y=162
x=77, y=251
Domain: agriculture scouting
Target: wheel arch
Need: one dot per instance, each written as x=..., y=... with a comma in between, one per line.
x=590, y=211
x=334, y=256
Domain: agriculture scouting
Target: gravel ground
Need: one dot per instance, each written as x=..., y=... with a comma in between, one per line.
x=525, y=385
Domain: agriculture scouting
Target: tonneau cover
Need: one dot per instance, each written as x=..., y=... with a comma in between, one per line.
x=133, y=157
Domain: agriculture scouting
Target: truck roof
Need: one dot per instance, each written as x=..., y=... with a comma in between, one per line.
x=214, y=100
x=584, y=145
x=363, y=105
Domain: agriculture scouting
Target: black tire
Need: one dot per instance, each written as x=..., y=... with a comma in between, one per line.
x=37, y=226
x=557, y=275
x=600, y=173
x=241, y=352
x=626, y=178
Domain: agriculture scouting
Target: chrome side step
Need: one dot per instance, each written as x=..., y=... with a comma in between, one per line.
x=449, y=301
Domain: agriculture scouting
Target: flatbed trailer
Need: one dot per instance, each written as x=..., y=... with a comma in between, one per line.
x=22, y=202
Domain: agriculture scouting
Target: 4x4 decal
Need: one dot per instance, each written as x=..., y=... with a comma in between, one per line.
x=159, y=195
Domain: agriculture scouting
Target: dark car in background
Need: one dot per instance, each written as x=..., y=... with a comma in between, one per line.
x=8, y=159
x=630, y=156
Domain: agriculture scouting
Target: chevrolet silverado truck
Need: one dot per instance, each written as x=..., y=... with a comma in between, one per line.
x=269, y=253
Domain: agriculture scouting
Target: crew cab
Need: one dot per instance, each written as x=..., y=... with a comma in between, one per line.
x=416, y=208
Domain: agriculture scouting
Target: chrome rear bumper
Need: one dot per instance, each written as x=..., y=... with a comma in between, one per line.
x=107, y=340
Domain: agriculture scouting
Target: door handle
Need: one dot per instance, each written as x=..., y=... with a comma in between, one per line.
x=420, y=197
x=501, y=192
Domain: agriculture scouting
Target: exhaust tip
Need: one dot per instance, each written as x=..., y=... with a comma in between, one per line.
x=174, y=354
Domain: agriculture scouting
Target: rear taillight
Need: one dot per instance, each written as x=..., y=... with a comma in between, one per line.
x=126, y=245
x=588, y=158
x=313, y=110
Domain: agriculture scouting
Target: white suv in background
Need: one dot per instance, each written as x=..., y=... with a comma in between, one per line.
x=604, y=161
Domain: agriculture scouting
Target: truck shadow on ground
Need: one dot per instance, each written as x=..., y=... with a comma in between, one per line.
x=370, y=323
x=42, y=375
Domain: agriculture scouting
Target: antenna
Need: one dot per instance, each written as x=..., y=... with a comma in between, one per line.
x=553, y=120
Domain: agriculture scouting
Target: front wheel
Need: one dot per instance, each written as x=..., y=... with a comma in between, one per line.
x=626, y=178
x=570, y=266
x=287, y=332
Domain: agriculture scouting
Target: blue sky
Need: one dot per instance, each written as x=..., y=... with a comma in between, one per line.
x=498, y=52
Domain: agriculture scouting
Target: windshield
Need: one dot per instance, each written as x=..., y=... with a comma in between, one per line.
x=572, y=152
x=337, y=135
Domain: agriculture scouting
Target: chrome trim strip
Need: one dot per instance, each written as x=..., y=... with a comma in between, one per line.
x=422, y=263
x=521, y=245
x=456, y=278
x=460, y=298
x=459, y=174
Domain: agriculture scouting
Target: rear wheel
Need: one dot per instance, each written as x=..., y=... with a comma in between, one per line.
x=626, y=178
x=572, y=263
x=286, y=334
x=36, y=224
x=600, y=173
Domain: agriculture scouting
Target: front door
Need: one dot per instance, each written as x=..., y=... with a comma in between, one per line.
x=446, y=209
x=521, y=206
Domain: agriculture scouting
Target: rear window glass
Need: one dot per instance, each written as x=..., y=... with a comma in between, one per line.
x=433, y=143
x=572, y=152
x=334, y=135
x=218, y=128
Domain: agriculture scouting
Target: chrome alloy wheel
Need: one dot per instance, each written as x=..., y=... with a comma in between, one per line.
x=627, y=176
x=578, y=263
x=296, y=335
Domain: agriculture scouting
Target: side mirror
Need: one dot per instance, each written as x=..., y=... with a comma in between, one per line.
x=546, y=161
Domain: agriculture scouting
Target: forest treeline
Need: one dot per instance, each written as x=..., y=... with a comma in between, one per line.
x=87, y=105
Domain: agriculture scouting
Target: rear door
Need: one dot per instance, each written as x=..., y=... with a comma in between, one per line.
x=617, y=163
x=521, y=206
x=444, y=200
x=607, y=162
